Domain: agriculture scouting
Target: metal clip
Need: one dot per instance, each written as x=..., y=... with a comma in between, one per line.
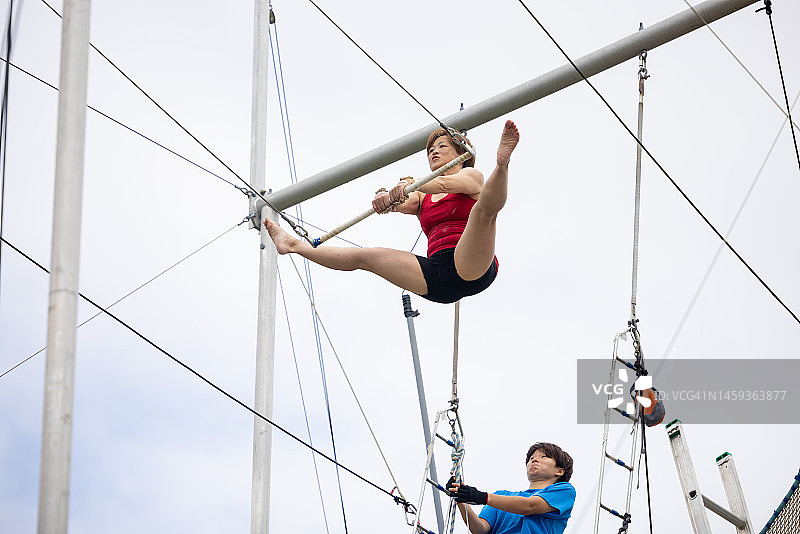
x=459, y=138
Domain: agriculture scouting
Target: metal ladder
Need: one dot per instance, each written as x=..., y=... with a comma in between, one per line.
x=632, y=411
x=451, y=415
x=696, y=502
x=455, y=442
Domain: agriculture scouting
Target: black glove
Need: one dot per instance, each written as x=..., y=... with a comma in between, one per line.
x=450, y=483
x=469, y=495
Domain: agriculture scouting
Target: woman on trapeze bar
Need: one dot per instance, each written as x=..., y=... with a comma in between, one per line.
x=457, y=212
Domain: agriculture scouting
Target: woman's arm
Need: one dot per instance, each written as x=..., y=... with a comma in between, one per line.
x=383, y=201
x=411, y=205
x=468, y=181
x=519, y=505
x=476, y=525
x=516, y=504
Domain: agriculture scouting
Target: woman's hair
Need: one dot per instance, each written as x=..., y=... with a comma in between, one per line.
x=562, y=459
x=439, y=132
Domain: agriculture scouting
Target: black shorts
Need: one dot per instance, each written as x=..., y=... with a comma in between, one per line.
x=444, y=284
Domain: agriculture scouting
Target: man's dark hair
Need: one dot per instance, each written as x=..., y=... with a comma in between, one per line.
x=561, y=457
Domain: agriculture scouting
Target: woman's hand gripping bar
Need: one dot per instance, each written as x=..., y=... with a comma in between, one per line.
x=408, y=189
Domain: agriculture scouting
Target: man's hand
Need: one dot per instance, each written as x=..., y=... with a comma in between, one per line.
x=466, y=494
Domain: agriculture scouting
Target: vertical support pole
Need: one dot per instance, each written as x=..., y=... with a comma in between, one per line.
x=733, y=491
x=689, y=484
x=423, y=405
x=63, y=308
x=267, y=283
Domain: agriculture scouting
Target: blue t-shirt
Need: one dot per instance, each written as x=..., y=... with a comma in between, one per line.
x=560, y=496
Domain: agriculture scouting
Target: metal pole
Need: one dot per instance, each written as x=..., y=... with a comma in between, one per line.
x=423, y=405
x=725, y=514
x=515, y=98
x=63, y=307
x=734, y=493
x=268, y=261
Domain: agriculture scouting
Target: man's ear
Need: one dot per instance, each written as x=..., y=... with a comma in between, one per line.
x=560, y=471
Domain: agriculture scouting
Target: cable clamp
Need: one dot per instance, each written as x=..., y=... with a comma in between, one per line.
x=767, y=7
x=643, y=75
x=454, y=409
x=408, y=508
x=459, y=138
x=299, y=230
x=251, y=218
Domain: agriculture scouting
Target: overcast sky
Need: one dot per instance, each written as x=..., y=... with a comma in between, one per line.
x=156, y=450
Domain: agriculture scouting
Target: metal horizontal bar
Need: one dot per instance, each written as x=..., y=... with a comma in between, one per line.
x=626, y=414
x=619, y=462
x=724, y=513
x=611, y=511
x=603, y=59
x=445, y=440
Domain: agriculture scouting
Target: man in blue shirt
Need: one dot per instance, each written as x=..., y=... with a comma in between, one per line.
x=541, y=509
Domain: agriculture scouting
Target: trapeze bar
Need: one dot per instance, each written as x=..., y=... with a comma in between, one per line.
x=408, y=189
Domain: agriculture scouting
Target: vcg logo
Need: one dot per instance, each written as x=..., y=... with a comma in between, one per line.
x=618, y=390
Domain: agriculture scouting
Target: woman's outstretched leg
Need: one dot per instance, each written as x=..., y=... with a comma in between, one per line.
x=475, y=250
x=396, y=266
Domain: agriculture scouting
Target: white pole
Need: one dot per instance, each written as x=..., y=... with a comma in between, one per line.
x=514, y=98
x=65, y=253
x=268, y=262
x=423, y=404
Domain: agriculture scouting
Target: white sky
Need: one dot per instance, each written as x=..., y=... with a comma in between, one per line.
x=156, y=450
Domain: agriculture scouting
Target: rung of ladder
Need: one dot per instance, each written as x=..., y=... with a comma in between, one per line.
x=445, y=440
x=626, y=414
x=619, y=462
x=626, y=364
x=437, y=486
x=614, y=512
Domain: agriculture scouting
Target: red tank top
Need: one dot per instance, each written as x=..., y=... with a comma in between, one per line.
x=444, y=221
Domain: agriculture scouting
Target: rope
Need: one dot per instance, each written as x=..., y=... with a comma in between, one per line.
x=640, y=371
x=347, y=379
x=120, y=123
x=457, y=137
x=4, y=137
x=406, y=190
x=397, y=499
x=768, y=8
x=739, y=61
x=454, y=394
x=299, y=230
x=661, y=167
x=173, y=152
x=702, y=283
x=637, y=196
x=646, y=473
x=457, y=456
x=131, y=292
x=302, y=398
x=287, y=138
x=379, y=65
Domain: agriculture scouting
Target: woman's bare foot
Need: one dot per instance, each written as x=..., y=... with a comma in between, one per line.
x=284, y=242
x=508, y=141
